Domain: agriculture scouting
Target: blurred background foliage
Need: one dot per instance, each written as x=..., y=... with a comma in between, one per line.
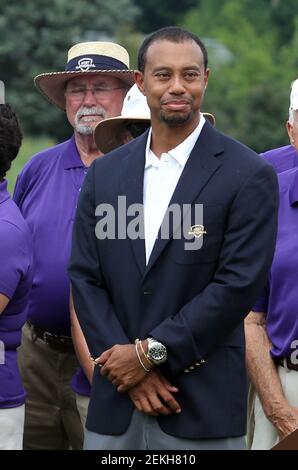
x=252, y=46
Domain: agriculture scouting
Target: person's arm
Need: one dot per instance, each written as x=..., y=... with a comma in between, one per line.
x=3, y=302
x=15, y=261
x=19, y=191
x=80, y=345
x=264, y=376
x=89, y=291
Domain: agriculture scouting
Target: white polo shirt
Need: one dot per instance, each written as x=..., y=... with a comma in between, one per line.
x=160, y=180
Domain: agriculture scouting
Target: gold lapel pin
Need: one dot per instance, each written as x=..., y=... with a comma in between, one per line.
x=197, y=231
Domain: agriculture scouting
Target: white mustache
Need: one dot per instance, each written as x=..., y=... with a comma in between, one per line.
x=95, y=111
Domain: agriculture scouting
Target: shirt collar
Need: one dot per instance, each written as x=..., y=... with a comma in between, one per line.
x=151, y=159
x=71, y=156
x=4, y=194
x=181, y=152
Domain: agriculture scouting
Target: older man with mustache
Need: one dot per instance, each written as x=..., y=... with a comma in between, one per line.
x=92, y=88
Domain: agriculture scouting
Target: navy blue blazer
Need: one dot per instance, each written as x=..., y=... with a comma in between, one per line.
x=192, y=301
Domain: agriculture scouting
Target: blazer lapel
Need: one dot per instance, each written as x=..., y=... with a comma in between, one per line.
x=132, y=187
x=198, y=170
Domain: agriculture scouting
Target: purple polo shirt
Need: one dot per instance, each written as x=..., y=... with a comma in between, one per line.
x=46, y=192
x=16, y=272
x=279, y=299
x=282, y=158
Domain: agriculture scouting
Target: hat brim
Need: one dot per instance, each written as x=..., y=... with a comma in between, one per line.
x=52, y=85
x=106, y=131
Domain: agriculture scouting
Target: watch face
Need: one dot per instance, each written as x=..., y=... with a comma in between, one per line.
x=157, y=352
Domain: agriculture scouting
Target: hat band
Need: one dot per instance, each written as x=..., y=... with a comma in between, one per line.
x=94, y=62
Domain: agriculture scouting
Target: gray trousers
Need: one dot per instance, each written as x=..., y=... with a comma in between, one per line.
x=144, y=433
x=82, y=405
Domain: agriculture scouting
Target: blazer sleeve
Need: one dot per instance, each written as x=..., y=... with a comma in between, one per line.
x=95, y=312
x=208, y=319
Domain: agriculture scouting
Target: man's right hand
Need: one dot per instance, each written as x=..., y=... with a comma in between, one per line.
x=154, y=395
x=285, y=421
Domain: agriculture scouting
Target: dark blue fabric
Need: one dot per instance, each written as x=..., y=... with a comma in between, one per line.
x=96, y=62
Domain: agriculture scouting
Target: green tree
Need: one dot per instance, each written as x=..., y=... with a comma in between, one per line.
x=277, y=14
x=35, y=37
x=249, y=90
x=159, y=13
x=283, y=14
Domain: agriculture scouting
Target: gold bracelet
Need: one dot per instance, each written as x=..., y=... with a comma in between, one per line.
x=145, y=355
x=138, y=354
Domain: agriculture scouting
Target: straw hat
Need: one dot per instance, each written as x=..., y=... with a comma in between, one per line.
x=135, y=110
x=86, y=58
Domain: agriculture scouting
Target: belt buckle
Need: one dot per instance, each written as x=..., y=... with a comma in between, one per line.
x=56, y=340
x=46, y=337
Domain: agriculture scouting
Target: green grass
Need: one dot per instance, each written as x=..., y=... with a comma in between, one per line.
x=29, y=148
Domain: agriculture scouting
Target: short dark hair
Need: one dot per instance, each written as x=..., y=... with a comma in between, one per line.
x=173, y=34
x=10, y=138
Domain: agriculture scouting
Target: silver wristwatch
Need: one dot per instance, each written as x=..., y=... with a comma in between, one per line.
x=157, y=352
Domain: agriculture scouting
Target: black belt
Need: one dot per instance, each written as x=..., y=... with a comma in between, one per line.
x=281, y=361
x=60, y=343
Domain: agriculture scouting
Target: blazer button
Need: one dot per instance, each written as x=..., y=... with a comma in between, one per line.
x=186, y=370
x=147, y=292
x=192, y=367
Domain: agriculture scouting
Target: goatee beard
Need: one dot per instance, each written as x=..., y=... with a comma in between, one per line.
x=174, y=119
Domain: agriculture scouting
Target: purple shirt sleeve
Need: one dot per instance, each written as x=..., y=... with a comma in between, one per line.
x=18, y=190
x=14, y=263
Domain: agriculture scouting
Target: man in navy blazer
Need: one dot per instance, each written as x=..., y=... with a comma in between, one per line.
x=173, y=238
